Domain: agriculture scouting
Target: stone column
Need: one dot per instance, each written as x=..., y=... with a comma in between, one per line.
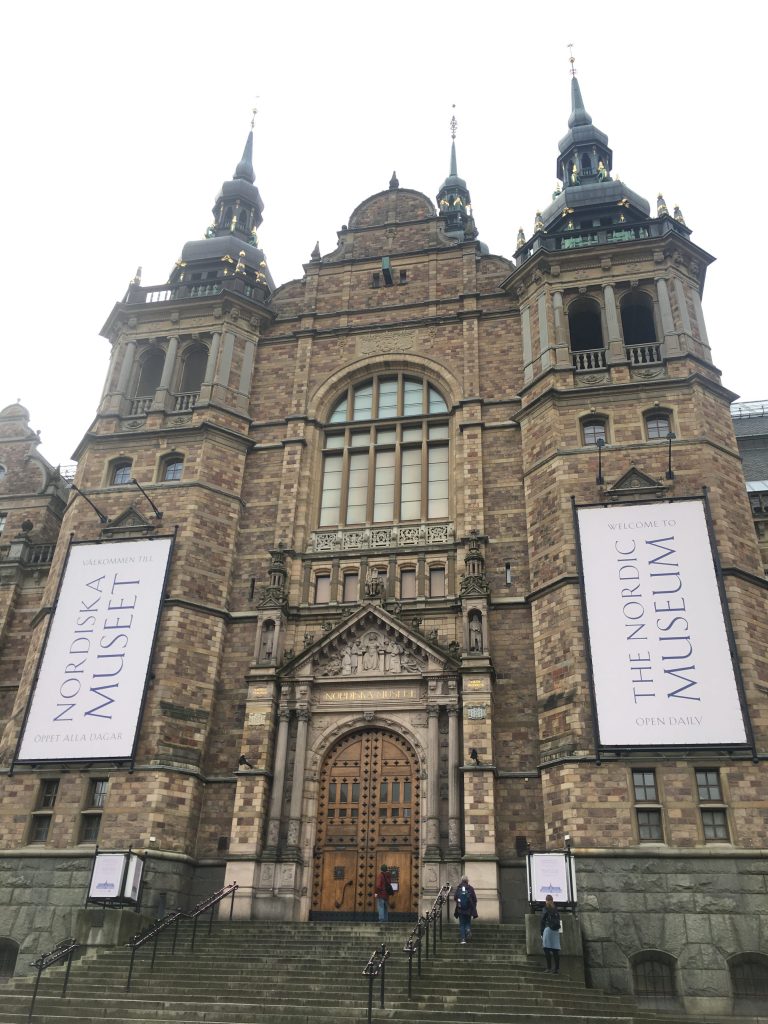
x=561, y=334
x=167, y=374
x=213, y=355
x=700, y=321
x=671, y=342
x=433, y=784
x=297, y=789
x=615, y=353
x=525, y=320
x=125, y=370
x=454, y=837
x=278, y=782
x=227, y=348
x=545, y=347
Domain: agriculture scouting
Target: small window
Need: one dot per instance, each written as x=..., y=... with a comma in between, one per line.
x=173, y=468
x=657, y=426
x=49, y=788
x=708, y=784
x=89, y=828
x=437, y=581
x=650, y=828
x=322, y=588
x=351, y=587
x=375, y=279
x=407, y=584
x=3, y=518
x=39, y=828
x=645, y=786
x=97, y=792
x=714, y=820
x=654, y=981
x=715, y=825
x=403, y=276
x=594, y=431
x=3, y=471
x=122, y=473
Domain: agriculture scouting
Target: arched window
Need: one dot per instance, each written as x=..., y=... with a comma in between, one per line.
x=150, y=372
x=386, y=454
x=653, y=975
x=657, y=425
x=749, y=982
x=594, y=429
x=586, y=164
x=172, y=468
x=193, y=365
x=121, y=472
x=9, y=951
x=267, y=646
x=584, y=325
x=637, y=319
x=407, y=584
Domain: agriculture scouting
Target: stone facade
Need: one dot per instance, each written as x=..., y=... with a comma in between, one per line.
x=444, y=645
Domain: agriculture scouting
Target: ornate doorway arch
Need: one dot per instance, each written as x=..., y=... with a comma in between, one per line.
x=368, y=815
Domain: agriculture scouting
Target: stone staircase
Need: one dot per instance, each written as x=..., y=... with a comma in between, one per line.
x=304, y=973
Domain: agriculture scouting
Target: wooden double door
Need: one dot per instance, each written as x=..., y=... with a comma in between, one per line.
x=368, y=815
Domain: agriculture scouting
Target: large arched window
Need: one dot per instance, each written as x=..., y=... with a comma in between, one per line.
x=150, y=372
x=637, y=319
x=653, y=976
x=193, y=365
x=386, y=454
x=585, y=325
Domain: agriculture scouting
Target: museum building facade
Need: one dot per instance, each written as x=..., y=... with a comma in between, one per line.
x=386, y=503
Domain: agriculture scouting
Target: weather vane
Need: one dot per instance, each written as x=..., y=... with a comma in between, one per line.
x=454, y=123
x=572, y=59
x=254, y=112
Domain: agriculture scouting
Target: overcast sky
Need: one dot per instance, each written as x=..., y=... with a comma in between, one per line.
x=120, y=121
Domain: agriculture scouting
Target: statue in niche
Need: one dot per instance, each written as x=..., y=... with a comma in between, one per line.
x=395, y=656
x=475, y=632
x=371, y=653
x=346, y=662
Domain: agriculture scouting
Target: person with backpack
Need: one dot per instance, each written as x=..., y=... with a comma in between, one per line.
x=550, y=935
x=382, y=892
x=465, y=909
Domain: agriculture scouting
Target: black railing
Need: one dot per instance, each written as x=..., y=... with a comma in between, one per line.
x=153, y=932
x=376, y=968
x=64, y=949
x=432, y=922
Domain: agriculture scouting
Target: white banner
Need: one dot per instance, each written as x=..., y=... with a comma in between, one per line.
x=89, y=690
x=660, y=656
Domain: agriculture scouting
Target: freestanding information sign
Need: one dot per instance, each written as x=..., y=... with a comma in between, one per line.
x=551, y=874
x=116, y=879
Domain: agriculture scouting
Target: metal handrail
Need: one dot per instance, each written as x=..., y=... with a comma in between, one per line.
x=154, y=930
x=376, y=967
x=432, y=919
x=64, y=949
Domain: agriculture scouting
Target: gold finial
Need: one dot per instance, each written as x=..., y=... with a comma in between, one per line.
x=254, y=111
x=454, y=122
x=572, y=59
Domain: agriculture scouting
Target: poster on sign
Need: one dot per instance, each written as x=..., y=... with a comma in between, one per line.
x=133, y=875
x=551, y=874
x=89, y=690
x=107, y=876
x=661, y=662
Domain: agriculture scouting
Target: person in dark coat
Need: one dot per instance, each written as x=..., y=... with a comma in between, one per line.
x=550, y=935
x=382, y=892
x=466, y=908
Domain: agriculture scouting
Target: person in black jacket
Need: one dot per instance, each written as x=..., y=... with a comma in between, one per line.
x=550, y=935
x=466, y=908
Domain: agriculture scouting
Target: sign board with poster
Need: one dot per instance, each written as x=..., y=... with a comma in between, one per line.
x=551, y=874
x=657, y=627
x=116, y=879
x=89, y=691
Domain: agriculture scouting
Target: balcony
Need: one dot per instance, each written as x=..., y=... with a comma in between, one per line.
x=589, y=359
x=644, y=355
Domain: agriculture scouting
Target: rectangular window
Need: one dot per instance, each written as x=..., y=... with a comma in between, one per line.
x=708, y=784
x=407, y=584
x=363, y=400
x=387, y=399
x=437, y=581
x=384, y=487
x=39, y=828
x=715, y=822
x=649, y=825
x=89, y=827
x=3, y=517
x=437, y=504
x=97, y=792
x=49, y=788
x=413, y=398
x=645, y=786
x=357, y=494
x=331, y=501
x=410, y=484
x=351, y=586
x=322, y=588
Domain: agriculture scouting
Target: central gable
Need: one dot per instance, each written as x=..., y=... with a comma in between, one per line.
x=371, y=644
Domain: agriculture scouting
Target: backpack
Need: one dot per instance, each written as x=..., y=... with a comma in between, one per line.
x=553, y=920
x=463, y=900
x=390, y=891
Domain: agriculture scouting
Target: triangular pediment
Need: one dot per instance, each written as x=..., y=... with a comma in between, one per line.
x=635, y=481
x=127, y=522
x=370, y=644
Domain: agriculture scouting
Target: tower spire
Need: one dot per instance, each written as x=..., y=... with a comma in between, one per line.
x=453, y=199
